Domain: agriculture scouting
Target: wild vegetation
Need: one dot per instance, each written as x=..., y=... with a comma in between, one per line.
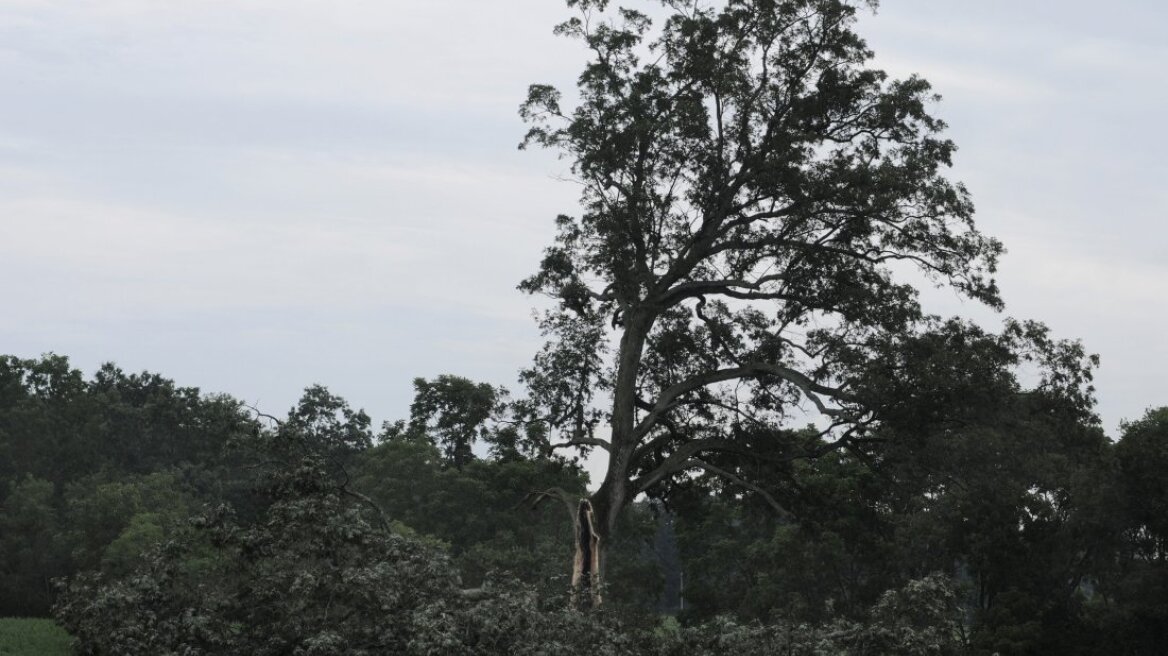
x=22, y=636
x=800, y=459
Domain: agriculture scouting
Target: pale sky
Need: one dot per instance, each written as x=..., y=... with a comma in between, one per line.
x=254, y=196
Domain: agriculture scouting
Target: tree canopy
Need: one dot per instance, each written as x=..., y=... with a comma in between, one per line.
x=759, y=207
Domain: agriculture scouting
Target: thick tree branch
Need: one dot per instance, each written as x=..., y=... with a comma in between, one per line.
x=679, y=459
x=537, y=498
x=770, y=499
x=810, y=389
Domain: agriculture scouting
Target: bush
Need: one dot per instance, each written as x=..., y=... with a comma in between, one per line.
x=314, y=574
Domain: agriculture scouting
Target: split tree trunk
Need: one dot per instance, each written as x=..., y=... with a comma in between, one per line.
x=586, y=568
x=597, y=516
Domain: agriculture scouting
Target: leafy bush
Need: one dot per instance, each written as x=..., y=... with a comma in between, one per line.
x=314, y=574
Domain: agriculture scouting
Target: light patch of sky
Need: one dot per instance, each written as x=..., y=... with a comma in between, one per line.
x=252, y=197
x=1051, y=106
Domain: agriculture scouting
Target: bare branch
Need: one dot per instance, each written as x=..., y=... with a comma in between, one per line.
x=678, y=461
x=582, y=441
x=537, y=498
x=381, y=514
x=263, y=415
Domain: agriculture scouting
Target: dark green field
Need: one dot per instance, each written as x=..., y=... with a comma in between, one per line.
x=33, y=637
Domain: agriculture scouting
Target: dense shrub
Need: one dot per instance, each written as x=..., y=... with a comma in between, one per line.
x=315, y=573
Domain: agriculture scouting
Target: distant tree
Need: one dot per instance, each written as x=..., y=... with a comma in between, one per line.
x=752, y=191
x=967, y=473
x=453, y=411
x=144, y=422
x=456, y=414
x=1143, y=459
x=31, y=551
x=1134, y=592
x=44, y=411
x=832, y=562
x=100, y=510
x=322, y=422
x=101, y=452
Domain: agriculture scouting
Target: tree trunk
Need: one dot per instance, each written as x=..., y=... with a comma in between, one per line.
x=595, y=526
x=596, y=518
x=586, y=568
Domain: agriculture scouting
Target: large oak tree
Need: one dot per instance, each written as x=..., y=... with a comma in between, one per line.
x=748, y=183
x=759, y=205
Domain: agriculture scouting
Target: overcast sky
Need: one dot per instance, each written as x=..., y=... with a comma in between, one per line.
x=253, y=196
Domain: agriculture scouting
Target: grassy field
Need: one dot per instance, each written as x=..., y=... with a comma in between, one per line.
x=32, y=637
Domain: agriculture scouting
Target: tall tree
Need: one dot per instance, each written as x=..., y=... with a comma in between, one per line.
x=750, y=185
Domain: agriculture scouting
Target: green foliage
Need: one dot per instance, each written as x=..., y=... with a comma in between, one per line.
x=514, y=620
x=835, y=561
x=319, y=572
x=920, y=619
x=752, y=189
x=1132, y=607
x=30, y=553
x=1016, y=500
x=45, y=403
x=923, y=618
x=1143, y=458
x=457, y=414
x=123, y=553
x=323, y=422
x=482, y=511
x=80, y=458
x=310, y=556
x=99, y=511
x=453, y=411
x=314, y=574
x=33, y=637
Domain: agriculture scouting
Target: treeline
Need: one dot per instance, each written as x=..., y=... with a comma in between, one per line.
x=92, y=472
x=155, y=516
